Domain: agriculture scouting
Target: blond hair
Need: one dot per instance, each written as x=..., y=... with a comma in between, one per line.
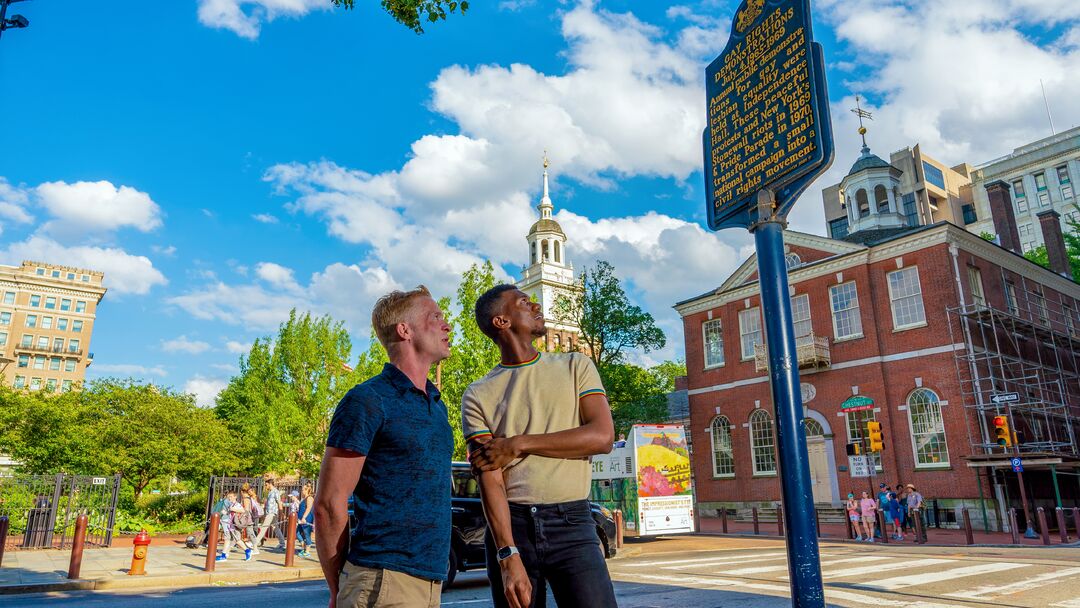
x=394, y=308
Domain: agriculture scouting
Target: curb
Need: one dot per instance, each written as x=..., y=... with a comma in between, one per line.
x=1075, y=544
x=203, y=579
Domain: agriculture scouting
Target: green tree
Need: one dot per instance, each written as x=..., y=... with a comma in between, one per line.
x=279, y=405
x=609, y=323
x=638, y=395
x=413, y=13
x=472, y=354
x=48, y=433
x=1072, y=249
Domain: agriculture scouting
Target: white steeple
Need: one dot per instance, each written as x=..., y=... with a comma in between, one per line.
x=547, y=242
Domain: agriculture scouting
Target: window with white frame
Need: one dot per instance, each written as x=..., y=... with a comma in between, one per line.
x=723, y=457
x=69, y=365
x=35, y=301
x=1010, y=299
x=58, y=344
x=714, y=343
x=27, y=340
x=43, y=342
x=50, y=303
x=61, y=324
x=50, y=385
x=65, y=386
x=20, y=382
x=749, y=331
x=762, y=444
x=73, y=346
x=24, y=361
x=856, y=431
x=65, y=304
x=3, y=338
x=35, y=384
x=54, y=364
x=1067, y=317
x=80, y=306
x=975, y=282
x=847, y=321
x=1038, y=302
x=39, y=362
x=9, y=297
x=905, y=293
x=800, y=316
x=76, y=326
x=46, y=322
x=5, y=318
x=927, y=428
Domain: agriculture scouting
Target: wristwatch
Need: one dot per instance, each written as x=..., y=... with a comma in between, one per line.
x=506, y=552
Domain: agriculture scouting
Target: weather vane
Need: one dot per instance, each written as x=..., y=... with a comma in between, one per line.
x=545, y=159
x=861, y=113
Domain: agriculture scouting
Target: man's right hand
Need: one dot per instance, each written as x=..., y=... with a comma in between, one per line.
x=516, y=583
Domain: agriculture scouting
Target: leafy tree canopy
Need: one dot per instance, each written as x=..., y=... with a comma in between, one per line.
x=413, y=13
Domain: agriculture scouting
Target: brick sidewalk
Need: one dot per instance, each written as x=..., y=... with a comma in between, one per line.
x=838, y=532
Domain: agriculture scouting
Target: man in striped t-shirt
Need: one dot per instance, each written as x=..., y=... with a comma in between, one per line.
x=531, y=425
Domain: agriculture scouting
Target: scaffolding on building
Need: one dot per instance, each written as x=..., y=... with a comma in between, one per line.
x=1031, y=349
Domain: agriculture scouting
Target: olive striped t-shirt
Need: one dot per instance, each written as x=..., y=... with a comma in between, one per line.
x=532, y=398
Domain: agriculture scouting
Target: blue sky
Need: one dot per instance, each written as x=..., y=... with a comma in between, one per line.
x=226, y=160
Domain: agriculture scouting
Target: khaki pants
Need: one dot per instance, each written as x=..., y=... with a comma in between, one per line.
x=360, y=587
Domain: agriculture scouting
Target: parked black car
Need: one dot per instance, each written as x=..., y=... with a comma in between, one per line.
x=467, y=539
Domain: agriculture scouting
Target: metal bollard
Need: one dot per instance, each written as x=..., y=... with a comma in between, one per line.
x=723, y=519
x=1063, y=528
x=78, y=543
x=755, y=521
x=1012, y=526
x=211, y=542
x=780, y=521
x=1043, y=529
x=3, y=536
x=290, y=540
x=967, y=527
x=882, y=525
x=920, y=532
x=1076, y=520
x=619, y=525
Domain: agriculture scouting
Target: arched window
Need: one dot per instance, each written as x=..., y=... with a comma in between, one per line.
x=881, y=197
x=862, y=203
x=813, y=428
x=545, y=251
x=762, y=445
x=927, y=428
x=723, y=459
x=792, y=260
x=532, y=250
x=555, y=341
x=558, y=256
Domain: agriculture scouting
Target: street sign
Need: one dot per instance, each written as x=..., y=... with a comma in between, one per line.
x=98, y=481
x=1005, y=398
x=1017, y=465
x=857, y=403
x=768, y=123
x=860, y=466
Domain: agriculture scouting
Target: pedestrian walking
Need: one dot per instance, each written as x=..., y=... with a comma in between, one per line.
x=305, y=519
x=853, y=511
x=901, y=497
x=531, y=425
x=914, y=508
x=243, y=522
x=868, y=514
x=882, y=502
x=255, y=513
x=390, y=444
x=893, y=514
x=270, y=509
x=228, y=508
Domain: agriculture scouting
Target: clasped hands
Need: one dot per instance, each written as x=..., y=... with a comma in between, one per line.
x=494, y=453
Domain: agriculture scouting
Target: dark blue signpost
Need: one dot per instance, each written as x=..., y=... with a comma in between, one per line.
x=768, y=137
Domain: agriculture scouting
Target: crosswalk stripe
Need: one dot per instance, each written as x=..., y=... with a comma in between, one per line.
x=728, y=562
x=940, y=575
x=766, y=569
x=878, y=569
x=1074, y=603
x=830, y=594
x=730, y=558
x=991, y=591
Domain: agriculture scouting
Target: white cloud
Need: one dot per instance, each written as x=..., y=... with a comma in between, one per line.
x=265, y=218
x=168, y=251
x=229, y=368
x=13, y=202
x=129, y=369
x=183, y=344
x=205, y=389
x=238, y=348
x=246, y=17
x=88, y=208
x=124, y=273
x=277, y=276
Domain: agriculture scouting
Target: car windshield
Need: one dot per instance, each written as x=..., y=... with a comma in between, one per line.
x=464, y=484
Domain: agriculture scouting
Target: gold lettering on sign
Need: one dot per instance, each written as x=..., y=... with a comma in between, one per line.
x=761, y=123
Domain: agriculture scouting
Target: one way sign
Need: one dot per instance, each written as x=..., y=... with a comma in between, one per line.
x=1005, y=397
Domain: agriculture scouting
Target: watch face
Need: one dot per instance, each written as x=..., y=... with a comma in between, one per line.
x=505, y=553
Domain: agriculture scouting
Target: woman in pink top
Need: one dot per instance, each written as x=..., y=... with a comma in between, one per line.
x=852, y=506
x=868, y=506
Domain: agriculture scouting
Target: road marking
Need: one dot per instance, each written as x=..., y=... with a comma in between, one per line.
x=878, y=569
x=1067, y=604
x=900, y=582
x=784, y=590
x=991, y=591
x=700, y=559
x=728, y=562
x=765, y=569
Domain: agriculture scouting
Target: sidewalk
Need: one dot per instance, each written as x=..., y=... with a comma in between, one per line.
x=935, y=536
x=169, y=564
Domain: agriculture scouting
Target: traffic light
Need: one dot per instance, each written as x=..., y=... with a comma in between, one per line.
x=873, y=433
x=1001, y=431
x=854, y=449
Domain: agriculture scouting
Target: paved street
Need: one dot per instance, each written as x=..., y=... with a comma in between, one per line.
x=705, y=572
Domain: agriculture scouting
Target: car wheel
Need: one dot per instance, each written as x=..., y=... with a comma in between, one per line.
x=451, y=569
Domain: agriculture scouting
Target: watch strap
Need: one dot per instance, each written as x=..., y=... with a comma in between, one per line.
x=506, y=553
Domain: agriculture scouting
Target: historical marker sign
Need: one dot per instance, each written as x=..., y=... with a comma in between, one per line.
x=768, y=116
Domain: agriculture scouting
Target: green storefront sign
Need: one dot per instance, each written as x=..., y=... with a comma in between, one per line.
x=857, y=403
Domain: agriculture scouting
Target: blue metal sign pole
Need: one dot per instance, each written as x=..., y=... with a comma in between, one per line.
x=801, y=538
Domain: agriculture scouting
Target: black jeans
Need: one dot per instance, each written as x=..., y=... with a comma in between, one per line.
x=559, y=547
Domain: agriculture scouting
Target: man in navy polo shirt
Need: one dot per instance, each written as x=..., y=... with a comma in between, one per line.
x=390, y=445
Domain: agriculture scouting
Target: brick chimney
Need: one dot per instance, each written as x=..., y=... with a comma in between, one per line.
x=1001, y=210
x=682, y=383
x=1050, y=222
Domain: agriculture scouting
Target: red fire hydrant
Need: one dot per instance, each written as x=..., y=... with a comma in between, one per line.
x=138, y=558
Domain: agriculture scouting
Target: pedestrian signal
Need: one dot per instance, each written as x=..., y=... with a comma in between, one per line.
x=873, y=433
x=854, y=449
x=1001, y=431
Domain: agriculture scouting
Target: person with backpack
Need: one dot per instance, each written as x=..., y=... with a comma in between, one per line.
x=243, y=522
x=229, y=508
x=255, y=511
x=893, y=513
x=270, y=511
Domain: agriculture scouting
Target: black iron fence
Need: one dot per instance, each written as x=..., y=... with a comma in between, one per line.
x=42, y=509
x=220, y=486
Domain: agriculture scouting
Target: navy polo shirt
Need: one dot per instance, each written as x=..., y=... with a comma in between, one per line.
x=403, y=496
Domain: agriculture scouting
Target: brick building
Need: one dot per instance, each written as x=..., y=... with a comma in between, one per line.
x=917, y=321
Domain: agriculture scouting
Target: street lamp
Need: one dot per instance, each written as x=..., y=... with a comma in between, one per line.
x=16, y=21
